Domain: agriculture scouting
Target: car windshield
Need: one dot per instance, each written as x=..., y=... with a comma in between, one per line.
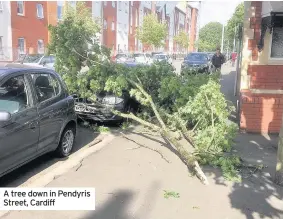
x=32, y=58
x=160, y=57
x=138, y=55
x=121, y=56
x=196, y=57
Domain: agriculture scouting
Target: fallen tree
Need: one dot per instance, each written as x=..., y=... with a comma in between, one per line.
x=188, y=108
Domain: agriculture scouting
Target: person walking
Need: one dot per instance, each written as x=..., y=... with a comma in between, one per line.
x=217, y=60
x=233, y=58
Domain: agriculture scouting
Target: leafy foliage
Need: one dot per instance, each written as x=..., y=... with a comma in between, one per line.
x=74, y=42
x=214, y=135
x=183, y=39
x=152, y=32
x=210, y=37
x=236, y=19
x=170, y=103
x=168, y=194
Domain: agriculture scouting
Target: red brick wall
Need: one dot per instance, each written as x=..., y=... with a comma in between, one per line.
x=261, y=112
x=193, y=29
x=29, y=26
x=134, y=12
x=110, y=14
x=266, y=76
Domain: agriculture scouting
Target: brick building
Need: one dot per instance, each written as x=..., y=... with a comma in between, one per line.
x=25, y=26
x=261, y=83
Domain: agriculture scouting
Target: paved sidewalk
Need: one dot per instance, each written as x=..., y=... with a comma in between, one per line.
x=130, y=183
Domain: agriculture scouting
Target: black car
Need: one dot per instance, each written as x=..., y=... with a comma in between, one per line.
x=36, y=115
x=196, y=61
x=100, y=109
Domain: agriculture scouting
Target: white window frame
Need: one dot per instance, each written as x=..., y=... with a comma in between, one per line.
x=126, y=7
x=1, y=6
x=113, y=4
x=270, y=47
x=119, y=27
x=1, y=46
x=23, y=6
x=24, y=46
x=120, y=5
x=37, y=11
x=105, y=24
x=113, y=26
x=38, y=48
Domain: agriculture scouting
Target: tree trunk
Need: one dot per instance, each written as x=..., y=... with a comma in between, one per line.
x=279, y=167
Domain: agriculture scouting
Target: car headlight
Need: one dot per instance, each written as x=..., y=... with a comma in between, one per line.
x=112, y=100
x=204, y=65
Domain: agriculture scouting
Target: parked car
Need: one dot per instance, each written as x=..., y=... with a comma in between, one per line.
x=36, y=115
x=162, y=57
x=140, y=58
x=100, y=109
x=121, y=57
x=38, y=60
x=196, y=61
x=149, y=58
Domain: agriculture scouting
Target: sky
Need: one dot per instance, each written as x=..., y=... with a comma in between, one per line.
x=220, y=11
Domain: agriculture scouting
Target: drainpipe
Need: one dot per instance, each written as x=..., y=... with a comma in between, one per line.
x=102, y=22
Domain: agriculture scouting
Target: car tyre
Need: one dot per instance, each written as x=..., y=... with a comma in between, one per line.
x=66, y=143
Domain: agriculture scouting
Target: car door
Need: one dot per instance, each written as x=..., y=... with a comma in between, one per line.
x=51, y=106
x=18, y=136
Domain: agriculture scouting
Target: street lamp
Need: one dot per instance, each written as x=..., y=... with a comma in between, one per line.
x=222, y=41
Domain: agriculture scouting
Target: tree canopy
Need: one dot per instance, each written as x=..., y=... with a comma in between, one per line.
x=152, y=32
x=236, y=19
x=210, y=37
x=183, y=39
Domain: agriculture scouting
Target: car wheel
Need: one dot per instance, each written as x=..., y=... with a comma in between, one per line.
x=66, y=142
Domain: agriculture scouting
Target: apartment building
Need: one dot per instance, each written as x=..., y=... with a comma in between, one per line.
x=25, y=26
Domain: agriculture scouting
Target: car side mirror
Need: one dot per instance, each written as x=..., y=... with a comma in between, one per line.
x=5, y=116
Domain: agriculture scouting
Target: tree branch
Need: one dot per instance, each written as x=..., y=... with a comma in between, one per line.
x=141, y=145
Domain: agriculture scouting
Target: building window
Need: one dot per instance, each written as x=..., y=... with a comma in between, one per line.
x=1, y=6
x=113, y=26
x=120, y=5
x=59, y=12
x=105, y=3
x=73, y=4
x=136, y=17
x=105, y=24
x=40, y=47
x=20, y=7
x=1, y=45
x=21, y=45
x=276, y=44
x=132, y=3
x=113, y=4
x=39, y=9
x=126, y=7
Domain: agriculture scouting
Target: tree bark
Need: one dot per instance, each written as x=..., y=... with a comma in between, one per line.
x=278, y=179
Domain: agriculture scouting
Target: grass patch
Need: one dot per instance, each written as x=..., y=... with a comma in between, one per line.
x=171, y=194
